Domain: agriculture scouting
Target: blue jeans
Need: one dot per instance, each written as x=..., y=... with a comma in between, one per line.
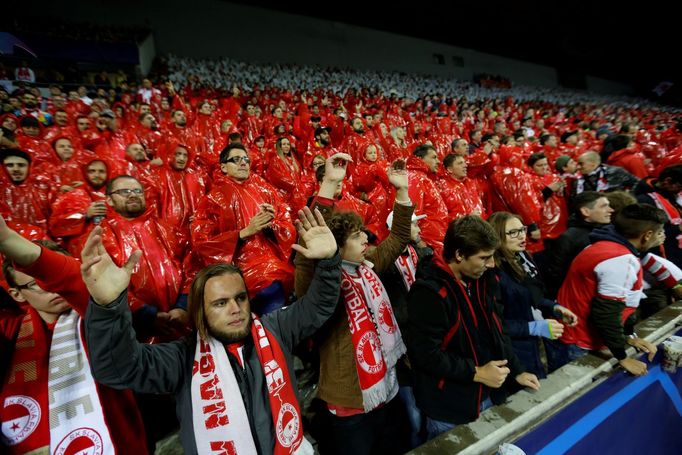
x=559, y=354
x=414, y=415
x=435, y=427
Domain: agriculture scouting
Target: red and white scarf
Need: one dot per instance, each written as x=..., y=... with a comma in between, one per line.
x=669, y=209
x=407, y=266
x=221, y=424
x=602, y=182
x=50, y=401
x=375, y=335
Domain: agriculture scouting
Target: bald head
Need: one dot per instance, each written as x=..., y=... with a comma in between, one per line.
x=588, y=162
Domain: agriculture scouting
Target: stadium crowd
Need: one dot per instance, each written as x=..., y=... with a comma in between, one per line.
x=414, y=240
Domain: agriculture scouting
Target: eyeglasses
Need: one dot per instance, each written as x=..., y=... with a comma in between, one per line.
x=126, y=192
x=516, y=233
x=238, y=159
x=30, y=286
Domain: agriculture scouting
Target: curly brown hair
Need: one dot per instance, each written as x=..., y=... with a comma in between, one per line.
x=343, y=224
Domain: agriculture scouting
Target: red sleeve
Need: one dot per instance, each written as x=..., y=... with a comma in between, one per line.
x=61, y=274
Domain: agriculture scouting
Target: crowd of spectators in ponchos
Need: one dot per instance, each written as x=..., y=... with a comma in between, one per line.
x=216, y=165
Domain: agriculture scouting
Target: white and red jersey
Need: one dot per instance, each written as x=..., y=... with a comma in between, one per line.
x=608, y=270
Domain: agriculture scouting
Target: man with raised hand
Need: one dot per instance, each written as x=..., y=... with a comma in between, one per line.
x=233, y=376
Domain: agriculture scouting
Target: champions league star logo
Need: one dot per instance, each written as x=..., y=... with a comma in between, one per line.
x=288, y=425
x=369, y=354
x=83, y=441
x=21, y=416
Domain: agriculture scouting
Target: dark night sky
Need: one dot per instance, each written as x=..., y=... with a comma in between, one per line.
x=614, y=40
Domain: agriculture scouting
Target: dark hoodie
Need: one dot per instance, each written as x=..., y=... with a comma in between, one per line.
x=566, y=247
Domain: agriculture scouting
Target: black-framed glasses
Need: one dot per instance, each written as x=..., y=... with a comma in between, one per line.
x=125, y=192
x=515, y=233
x=30, y=286
x=238, y=159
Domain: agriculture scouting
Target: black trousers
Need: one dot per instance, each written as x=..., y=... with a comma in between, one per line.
x=380, y=431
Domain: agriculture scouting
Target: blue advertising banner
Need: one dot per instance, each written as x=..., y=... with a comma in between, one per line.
x=622, y=415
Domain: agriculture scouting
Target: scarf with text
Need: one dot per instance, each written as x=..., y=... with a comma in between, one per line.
x=407, y=266
x=221, y=424
x=375, y=335
x=50, y=402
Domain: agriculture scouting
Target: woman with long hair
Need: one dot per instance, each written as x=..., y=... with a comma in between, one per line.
x=526, y=314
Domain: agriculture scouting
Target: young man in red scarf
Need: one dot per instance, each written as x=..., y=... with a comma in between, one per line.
x=233, y=376
x=362, y=342
x=49, y=401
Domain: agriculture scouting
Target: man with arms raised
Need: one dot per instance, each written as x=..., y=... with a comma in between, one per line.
x=233, y=376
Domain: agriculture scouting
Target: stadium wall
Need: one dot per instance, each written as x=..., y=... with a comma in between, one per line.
x=213, y=28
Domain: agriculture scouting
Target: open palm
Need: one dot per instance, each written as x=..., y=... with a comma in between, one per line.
x=104, y=279
x=317, y=237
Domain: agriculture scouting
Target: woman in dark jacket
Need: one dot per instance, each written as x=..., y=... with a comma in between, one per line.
x=524, y=310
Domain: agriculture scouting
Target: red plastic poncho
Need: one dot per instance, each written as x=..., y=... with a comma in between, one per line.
x=68, y=220
x=179, y=191
x=227, y=209
x=427, y=201
x=631, y=160
x=284, y=173
x=39, y=150
x=26, y=204
x=553, y=211
x=461, y=197
x=157, y=279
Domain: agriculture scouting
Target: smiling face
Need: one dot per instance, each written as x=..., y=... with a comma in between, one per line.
x=599, y=213
x=227, y=309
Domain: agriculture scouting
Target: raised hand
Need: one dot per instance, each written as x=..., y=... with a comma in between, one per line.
x=104, y=279
x=13, y=246
x=335, y=167
x=397, y=178
x=318, y=238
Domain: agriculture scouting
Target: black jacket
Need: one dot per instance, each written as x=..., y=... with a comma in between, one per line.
x=119, y=361
x=519, y=297
x=443, y=368
x=564, y=249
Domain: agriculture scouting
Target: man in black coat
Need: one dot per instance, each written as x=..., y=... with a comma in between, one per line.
x=459, y=355
x=590, y=210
